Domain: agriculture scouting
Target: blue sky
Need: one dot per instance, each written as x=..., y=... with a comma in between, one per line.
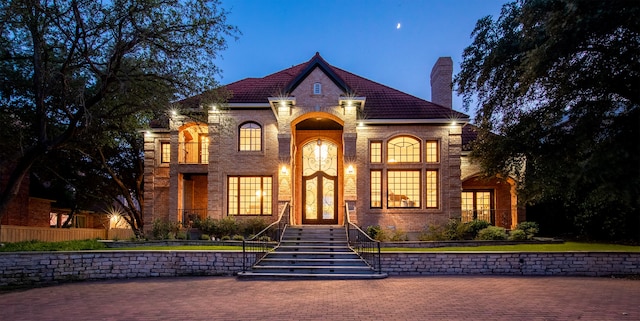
x=360, y=36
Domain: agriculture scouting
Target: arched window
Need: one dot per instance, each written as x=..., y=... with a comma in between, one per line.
x=317, y=88
x=403, y=149
x=250, y=137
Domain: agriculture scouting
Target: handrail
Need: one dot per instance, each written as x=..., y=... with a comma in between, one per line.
x=362, y=243
x=264, y=240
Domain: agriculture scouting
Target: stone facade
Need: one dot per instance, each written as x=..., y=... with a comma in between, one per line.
x=310, y=102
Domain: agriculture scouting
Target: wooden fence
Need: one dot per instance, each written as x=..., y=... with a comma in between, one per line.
x=12, y=233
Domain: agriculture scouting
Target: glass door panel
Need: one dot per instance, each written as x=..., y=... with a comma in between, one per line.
x=319, y=180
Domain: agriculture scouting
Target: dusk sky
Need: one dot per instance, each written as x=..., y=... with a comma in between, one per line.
x=394, y=43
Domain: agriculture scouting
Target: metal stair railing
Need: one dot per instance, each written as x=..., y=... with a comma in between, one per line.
x=366, y=247
x=256, y=247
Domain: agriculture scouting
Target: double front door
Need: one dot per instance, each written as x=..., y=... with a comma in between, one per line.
x=320, y=182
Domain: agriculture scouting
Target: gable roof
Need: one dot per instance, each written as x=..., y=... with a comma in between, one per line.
x=383, y=102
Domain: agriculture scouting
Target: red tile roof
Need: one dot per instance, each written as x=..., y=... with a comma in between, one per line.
x=382, y=102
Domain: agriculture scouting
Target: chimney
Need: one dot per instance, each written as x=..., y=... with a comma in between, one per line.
x=441, y=82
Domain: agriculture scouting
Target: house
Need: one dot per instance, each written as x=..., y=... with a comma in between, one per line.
x=319, y=138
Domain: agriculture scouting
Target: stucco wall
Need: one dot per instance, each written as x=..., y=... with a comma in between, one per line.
x=33, y=268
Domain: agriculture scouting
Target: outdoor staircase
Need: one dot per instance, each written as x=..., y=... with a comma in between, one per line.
x=313, y=252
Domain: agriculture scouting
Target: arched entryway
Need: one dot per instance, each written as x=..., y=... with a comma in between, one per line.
x=318, y=163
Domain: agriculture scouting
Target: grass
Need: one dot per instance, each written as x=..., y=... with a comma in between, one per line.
x=181, y=248
x=29, y=246
x=558, y=247
x=95, y=245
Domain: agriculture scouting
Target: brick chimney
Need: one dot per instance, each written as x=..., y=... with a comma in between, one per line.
x=441, y=82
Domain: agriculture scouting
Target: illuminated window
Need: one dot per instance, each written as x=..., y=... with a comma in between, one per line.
x=375, y=152
x=477, y=205
x=431, y=151
x=250, y=137
x=403, y=188
x=403, y=149
x=165, y=152
x=317, y=88
x=250, y=195
x=432, y=189
x=204, y=149
x=376, y=189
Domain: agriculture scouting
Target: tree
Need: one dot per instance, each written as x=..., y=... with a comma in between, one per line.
x=71, y=71
x=556, y=85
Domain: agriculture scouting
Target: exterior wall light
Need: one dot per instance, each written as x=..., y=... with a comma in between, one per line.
x=350, y=170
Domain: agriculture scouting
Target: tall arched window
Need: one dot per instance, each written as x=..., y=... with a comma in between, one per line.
x=403, y=149
x=250, y=137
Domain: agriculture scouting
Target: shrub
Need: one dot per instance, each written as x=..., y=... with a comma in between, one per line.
x=475, y=226
x=181, y=235
x=205, y=237
x=373, y=231
x=160, y=229
x=253, y=225
x=492, y=233
x=530, y=228
x=225, y=238
x=227, y=226
x=207, y=226
x=432, y=233
x=518, y=235
x=399, y=236
x=237, y=237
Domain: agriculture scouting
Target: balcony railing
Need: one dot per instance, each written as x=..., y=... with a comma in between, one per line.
x=191, y=215
x=193, y=153
x=362, y=243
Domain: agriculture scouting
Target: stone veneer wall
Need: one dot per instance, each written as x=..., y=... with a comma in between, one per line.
x=50, y=267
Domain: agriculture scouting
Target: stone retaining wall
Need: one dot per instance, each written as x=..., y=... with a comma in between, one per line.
x=512, y=263
x=50, y=267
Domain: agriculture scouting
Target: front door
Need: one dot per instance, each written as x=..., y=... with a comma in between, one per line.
x=320, y=182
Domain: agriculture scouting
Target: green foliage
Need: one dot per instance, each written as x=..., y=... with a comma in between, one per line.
x=492, y=233
x=205, y=237
x=81, y=78
x=79, y=245
x=377, y=233
x=226, y=238
x=207, y=226
x=163, y=229
x=252, y=225
x=555, y=84
x=529, y=228
x=228, y=226
x=518, y=235
x=398, y=236
x=237, y=237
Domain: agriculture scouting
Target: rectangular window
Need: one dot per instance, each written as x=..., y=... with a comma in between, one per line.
x=376, y=189
x=250, y=195
x=432, y=189
x=431, y=151
x=375, y=152
x=165, y=152
x=403, y=189
x=477, y=205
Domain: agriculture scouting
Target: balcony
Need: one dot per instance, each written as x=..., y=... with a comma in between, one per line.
x=189, y=216
x=193, y=153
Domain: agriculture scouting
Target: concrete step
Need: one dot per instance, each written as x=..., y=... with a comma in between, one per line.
x=327, y=276
x=312, y=252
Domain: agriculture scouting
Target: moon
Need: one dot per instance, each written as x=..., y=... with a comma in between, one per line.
x=398, y=26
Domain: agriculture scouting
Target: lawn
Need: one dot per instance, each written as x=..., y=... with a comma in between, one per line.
x=85, y=245
x=556, y=247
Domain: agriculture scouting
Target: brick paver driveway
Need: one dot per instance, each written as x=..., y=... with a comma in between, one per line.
x=394, y=298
